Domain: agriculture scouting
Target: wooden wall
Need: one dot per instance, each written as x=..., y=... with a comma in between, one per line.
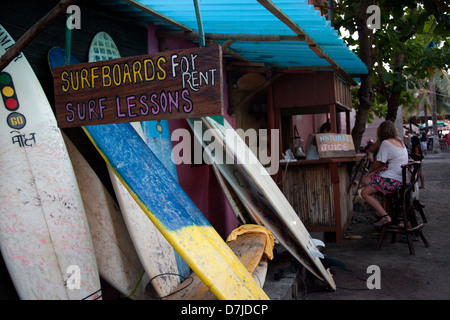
x=305, y=93
x=17, y=16
x=318, y=194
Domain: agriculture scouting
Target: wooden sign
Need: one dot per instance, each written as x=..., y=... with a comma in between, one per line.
x=168, y=85
x=335, y=145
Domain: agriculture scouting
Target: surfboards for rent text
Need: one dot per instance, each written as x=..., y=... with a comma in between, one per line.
x=167, y=85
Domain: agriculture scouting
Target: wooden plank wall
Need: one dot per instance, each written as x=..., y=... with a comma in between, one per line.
x=346, y=197
x=310, y=192
x=309, y=189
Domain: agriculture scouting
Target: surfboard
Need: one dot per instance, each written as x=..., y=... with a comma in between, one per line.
x=256, y=188
x=241, y=211
x=157, y=137
x=117, y=260
x=248, y=248
x=261, y=271
x=44, y=234
x=172, y=212
x=157, y=256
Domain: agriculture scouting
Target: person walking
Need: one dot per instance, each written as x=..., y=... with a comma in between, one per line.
x=424, y=141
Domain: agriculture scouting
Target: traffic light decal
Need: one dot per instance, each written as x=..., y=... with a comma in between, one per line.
x=8, y=92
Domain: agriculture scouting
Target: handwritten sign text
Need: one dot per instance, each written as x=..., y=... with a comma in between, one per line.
x=335, y=145
x=168, y=85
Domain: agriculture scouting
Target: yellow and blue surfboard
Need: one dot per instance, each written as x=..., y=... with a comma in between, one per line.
x=173, y=212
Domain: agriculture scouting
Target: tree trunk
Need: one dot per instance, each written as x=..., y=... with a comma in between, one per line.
x=433, y=107
x=393, y=101
x=365, y=92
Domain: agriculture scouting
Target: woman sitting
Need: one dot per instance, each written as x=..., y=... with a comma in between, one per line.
x=385, y=175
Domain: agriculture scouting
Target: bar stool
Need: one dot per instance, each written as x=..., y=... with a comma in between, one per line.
x=402, y=207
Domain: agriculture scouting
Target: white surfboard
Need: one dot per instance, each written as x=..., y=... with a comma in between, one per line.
x=117, y=260
x=241, y=211
x=258, y=191
x=157, y=256
x=44, y=234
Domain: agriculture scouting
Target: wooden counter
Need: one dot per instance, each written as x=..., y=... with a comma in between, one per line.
x=317, y=190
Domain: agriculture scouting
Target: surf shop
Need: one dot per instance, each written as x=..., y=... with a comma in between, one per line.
x=168, y=64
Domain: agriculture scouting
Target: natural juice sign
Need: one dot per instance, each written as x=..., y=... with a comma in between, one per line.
x=335, y=145
x=168, y=85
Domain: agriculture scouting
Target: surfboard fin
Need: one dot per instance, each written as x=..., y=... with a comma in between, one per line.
x=316, y=253
x=318, y=243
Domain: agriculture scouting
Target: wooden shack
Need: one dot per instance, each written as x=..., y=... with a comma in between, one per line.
x=316, y=189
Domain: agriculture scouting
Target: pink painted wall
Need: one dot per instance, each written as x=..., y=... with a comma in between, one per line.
x=199, y=182
x=310, y=123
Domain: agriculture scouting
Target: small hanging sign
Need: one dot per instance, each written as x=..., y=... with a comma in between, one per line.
x=167, y=85
x=335, y=145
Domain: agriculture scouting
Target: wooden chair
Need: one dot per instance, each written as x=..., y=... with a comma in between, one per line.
x=402, y=207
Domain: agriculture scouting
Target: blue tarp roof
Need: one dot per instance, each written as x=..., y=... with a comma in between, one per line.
x=292, y=18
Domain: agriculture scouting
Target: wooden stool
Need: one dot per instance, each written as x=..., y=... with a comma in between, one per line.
x=402, y=207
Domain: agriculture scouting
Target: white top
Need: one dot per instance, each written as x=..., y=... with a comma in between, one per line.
x=394, y=157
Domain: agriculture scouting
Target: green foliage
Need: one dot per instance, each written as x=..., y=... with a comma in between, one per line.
x=399, y=49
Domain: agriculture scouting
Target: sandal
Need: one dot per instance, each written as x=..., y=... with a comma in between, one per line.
x=383, y=220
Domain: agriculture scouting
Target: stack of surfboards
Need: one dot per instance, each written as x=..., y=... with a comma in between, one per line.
x=159, y=260
x=172, y=212
x=44, y=235
x=259, y=193
x=116, y=256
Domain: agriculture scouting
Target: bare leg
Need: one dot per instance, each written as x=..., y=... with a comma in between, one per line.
x=368, y=194
x=365, y=180
x=422, y=182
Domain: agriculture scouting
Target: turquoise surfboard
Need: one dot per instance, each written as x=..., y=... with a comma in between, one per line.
x=157, y=137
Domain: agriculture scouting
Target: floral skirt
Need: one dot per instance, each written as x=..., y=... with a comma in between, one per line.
x=384, y=185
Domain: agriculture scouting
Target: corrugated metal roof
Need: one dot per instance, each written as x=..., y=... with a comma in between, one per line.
x=319, y=46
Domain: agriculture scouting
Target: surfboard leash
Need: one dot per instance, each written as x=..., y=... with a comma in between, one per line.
x=172, y=293
x=136, y=285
